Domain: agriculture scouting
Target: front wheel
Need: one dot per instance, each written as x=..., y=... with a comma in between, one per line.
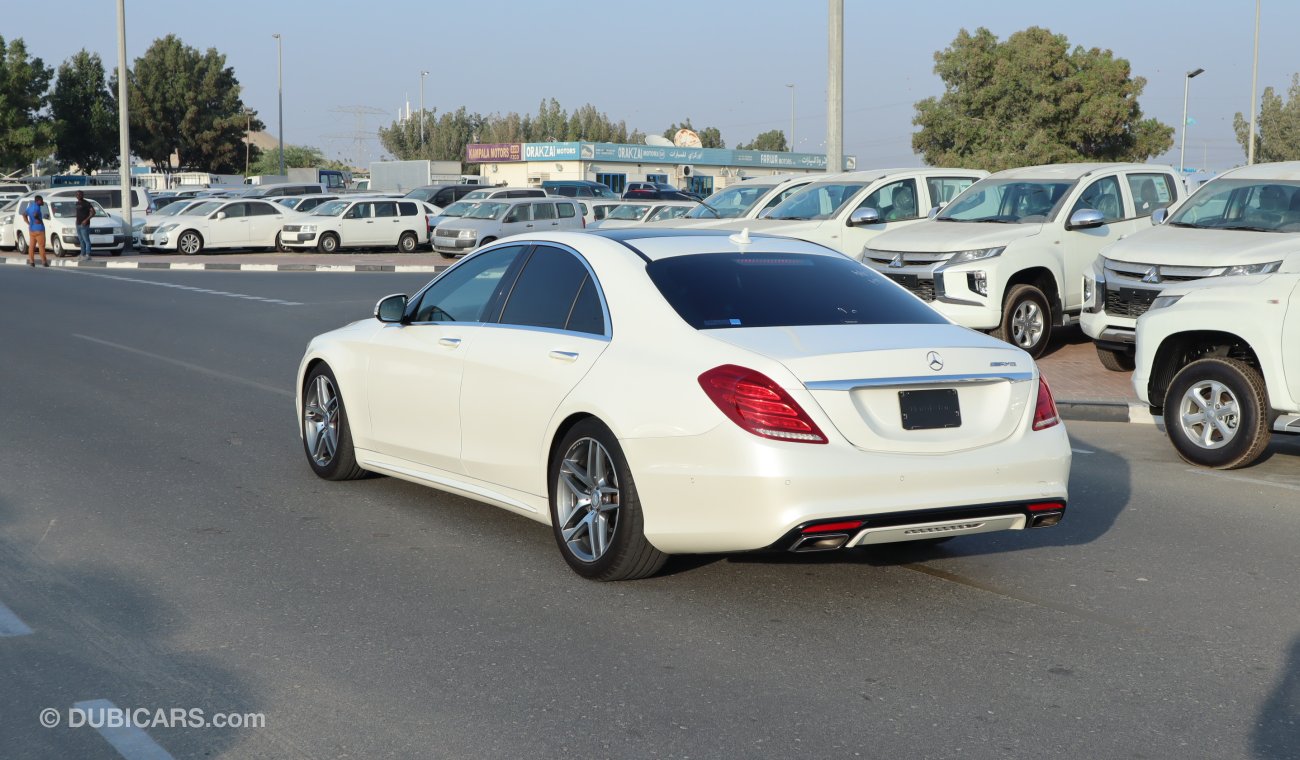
x=326, y=437
x=1216, y=413
x=59, y=251
x=595, y=512
x=21, y=244
x=407, y=243
x=279, y=244
x=329, y=243
x=1116, y=360
x=1026, y=320
x=189, y=243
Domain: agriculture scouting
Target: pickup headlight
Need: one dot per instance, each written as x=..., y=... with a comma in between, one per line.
x=979, y=254
x=165, y=228
x=1161, y=302
x=466, y=234
x=1266, y=268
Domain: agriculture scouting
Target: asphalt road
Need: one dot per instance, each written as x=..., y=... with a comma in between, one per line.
x=167, y=547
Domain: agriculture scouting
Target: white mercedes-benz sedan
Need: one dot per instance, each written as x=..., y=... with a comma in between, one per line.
x=652, y=392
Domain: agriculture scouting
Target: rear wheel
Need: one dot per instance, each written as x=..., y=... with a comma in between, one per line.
x=329, y=243
x=595, y=512
x=1026, y=319
x=407, y=243
x=326, y=437
x=1116, y=360
x=1216, y=413
x=189, y=243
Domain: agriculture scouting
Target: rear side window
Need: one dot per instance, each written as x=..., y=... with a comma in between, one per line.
x=723, y=290
x=522, y=212
x=565, y=209
x=1150, y=192
x=546, y=291
x=261, y=209
x=386, y=209
x=407, y=209
x=543, y=210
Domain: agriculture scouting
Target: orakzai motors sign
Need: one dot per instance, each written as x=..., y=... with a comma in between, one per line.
x=637, y=154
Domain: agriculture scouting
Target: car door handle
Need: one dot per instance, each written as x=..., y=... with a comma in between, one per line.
x=449, y=342
x=564, y=356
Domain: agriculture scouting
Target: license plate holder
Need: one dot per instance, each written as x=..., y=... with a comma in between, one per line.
x=929, y=409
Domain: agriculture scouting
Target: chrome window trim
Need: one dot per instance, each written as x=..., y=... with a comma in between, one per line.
x=882, y=382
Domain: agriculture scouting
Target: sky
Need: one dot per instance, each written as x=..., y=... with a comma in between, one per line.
x=722, y=63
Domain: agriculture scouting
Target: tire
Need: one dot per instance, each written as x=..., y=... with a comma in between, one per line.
x=1116, y=360
x=608, y=543
x=1026, y=320
x=486, y=241
x=59, y=250
x=329, y=243
x=189, y=243
x=326, y=435
x=279, y=244
x=407, y=242
x=1222, y=440
x=20, y=243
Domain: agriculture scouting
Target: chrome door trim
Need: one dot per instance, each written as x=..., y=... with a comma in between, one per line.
x=882, y=382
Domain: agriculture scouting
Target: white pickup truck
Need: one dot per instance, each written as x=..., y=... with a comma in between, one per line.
x=1220, y=359
x=1242, y=222
x=1009, y=254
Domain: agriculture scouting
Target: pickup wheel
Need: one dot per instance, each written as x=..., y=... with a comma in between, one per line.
x=1116, y=360
x=1216, y=413
x=1026, y=320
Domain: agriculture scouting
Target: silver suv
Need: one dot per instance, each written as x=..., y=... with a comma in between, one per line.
x=494, y=219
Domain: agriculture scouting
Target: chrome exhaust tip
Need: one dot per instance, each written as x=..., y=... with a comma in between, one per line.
x=820, y=542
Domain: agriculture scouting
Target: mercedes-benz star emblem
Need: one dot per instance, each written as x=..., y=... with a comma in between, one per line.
x=1152, y=275
x=935, y=360
x=896, y=262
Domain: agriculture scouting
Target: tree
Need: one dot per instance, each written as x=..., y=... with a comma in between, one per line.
x=25, y=134
x=773, y=139
x=295, y=156
x=710, y=137
x=187, y=103
x=85, y=114
x=1278, y=126
x=1032, y=100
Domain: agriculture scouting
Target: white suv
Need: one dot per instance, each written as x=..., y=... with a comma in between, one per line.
x=1242, y=222
x=365, y=222
x=845, y=211
x=494, y=219
x=1008, y=255
x=1220, y=359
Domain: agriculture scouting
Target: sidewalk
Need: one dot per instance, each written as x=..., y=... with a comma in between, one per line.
x=1085, y=390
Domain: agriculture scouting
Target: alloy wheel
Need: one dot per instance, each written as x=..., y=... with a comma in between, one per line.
x=320, y=421
x=1026, y=324
x=588, y=500
x=1209, y=414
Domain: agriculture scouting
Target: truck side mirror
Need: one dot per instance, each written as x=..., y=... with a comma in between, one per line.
x=1086, y=219
x=864, y=216
x=1159, y=215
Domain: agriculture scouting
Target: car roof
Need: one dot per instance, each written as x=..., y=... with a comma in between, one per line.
x=1286, y=170
x=1072, y=171
x=659, y=243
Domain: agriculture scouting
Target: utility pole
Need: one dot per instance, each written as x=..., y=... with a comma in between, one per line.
x=279, y=86
x=1182, y=148
x=835, y=89
x=248, y=137
x=123, y=120
x=423, y=74
x=791, y=117
x=1254, y=83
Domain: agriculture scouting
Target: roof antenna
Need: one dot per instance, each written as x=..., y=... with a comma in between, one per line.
x=742, y=238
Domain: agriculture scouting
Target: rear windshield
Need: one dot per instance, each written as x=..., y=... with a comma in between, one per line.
x=723, y=290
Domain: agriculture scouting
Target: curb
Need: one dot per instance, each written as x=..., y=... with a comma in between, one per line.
x=1107, y=411
x=217, y=266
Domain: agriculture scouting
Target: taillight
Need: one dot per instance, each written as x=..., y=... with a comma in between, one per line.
x=1045, y=414
x=757, y=404
x=584, y=222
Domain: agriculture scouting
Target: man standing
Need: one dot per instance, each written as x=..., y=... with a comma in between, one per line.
x=85, y=212
x=34, y=215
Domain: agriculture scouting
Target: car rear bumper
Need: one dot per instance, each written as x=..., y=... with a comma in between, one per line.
x=728, y=490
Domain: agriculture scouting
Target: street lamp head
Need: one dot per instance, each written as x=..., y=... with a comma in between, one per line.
x=424, y=73
x=276, y=35
x=1194, y=74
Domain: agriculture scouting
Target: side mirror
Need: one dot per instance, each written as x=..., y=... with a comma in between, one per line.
x=391, y=309
x=1159, y=215
x=932, y=213
x=221, y=215
x=864, y=216
x=1086, y=219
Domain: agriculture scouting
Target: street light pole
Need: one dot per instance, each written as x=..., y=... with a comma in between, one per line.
x=1182, y=148
x=1254, y=83
x=423, y=74
x=835, y=88
x=123, y=119
x=791, y=117
x=279, y=86
x=248, y=135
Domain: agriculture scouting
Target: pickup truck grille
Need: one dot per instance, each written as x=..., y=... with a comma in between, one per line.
x=1129, y=302
x=921, y=287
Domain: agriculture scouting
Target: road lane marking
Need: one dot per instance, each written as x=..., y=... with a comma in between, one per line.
x=1243, y=479
x=1082, y=451
x=191, y=288
x=130, y=742
x=10, y=624
x=189, y=366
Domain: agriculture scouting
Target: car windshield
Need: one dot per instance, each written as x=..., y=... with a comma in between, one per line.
x=423, y=193
x=459, y=208
x=1243, y=204
x=668, y=212
x=821, y=200
x=68, y=209
x=173, y=209
x=478, y=195
x=333, y=208
x=731, y=203
x=628, y=212
x=290, y=202
x=487, y=211
x=1007, y=200
x=726, y=290
x=207, y=207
